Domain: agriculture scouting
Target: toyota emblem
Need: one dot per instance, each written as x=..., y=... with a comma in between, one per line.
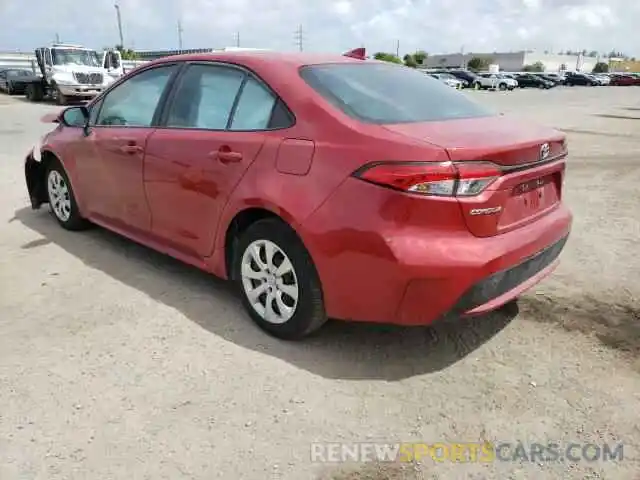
x=544, y=151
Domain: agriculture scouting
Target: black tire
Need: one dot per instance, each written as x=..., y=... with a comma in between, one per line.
x=75, y=221
x=10, y=89
x=502, y=87
x=309, y=314
x=60, y=98
x=34, y=93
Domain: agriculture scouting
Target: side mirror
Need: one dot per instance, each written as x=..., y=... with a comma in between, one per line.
x=74, y=117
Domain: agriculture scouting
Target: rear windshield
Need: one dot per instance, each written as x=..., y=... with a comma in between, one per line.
x=386, y=93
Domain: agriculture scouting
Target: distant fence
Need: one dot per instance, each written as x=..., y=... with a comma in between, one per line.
x=26, y=61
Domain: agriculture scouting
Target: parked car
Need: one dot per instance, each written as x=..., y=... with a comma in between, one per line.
x=603, y=78
x=448, y=80
x=466, y=76
x=574, y=78
x=495, y=81
x=558, y=77
x=322, y=186
x=624, y=80
x=600, y=81
x=534, y=81
x=13, y=80
x=550, y=77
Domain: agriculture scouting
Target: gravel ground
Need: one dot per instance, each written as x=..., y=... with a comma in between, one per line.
x=119, y=363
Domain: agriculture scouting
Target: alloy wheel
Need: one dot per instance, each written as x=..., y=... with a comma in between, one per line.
x=59, y=197
x=269, y=281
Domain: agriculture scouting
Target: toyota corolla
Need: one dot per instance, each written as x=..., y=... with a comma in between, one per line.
x=324, y=186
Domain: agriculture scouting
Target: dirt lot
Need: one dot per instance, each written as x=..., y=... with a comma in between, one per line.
x=116, y=362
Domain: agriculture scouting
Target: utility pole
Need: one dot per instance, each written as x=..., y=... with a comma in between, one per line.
x=398, y=48
x=237, y=39
x=57, y=38
x=180, y=35
x=117, y=7
x=299, y=38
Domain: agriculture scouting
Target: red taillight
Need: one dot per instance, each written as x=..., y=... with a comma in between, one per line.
x=448, y=179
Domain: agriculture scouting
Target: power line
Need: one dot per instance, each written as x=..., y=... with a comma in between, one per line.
x=299, y=38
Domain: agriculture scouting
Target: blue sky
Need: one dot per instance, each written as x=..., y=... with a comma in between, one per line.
x=330, y=25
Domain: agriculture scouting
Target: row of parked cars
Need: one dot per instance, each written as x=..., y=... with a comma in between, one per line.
x=511, y=80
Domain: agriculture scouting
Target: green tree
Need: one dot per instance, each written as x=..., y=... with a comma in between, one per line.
x=409, y=60
x=127, y=53
x=415, y=59
x=478, y=63
x=420, y=56
x=387, y=57
x=600, y=67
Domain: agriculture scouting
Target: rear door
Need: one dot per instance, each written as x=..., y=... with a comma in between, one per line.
x=212, y=130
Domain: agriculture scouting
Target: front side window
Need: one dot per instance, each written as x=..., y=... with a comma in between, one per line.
x=385, y=94
x=205, y=97
x=134, y=102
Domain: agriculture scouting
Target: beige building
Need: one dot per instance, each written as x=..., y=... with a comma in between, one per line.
x=515, y=61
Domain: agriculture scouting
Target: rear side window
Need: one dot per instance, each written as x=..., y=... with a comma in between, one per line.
x=254, y=108
x=384, y=93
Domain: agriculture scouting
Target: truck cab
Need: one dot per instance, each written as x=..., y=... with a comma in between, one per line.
x=73, y=71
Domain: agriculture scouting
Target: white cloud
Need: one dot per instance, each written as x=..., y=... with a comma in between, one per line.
x=334, y=25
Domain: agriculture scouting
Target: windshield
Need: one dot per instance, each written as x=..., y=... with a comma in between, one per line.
x=71, y=56
x=18, y=73
x=385, y=93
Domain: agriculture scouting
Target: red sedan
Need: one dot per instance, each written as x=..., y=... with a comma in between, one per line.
x=323, y=186
x=624, y=80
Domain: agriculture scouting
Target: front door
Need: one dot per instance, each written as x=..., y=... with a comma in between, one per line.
x=194, y=162
x=115, y=146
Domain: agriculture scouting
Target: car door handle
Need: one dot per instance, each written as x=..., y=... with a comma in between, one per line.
x=226, y=156
x=130, y=149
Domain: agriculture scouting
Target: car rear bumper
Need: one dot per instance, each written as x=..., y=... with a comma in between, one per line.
x=503, y=286
x=376, y=266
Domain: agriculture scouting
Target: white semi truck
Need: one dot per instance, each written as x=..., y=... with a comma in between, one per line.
x=72, y=72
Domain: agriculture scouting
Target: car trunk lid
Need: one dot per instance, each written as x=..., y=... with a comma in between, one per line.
x=531, y=158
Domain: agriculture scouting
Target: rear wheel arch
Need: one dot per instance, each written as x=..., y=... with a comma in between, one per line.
x=240, y=223
x=289, y=304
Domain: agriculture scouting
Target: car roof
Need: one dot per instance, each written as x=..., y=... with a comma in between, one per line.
x=260, y=58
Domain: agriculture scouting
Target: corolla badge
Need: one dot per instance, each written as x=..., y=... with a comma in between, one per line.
x=485, y=211
x=544, y=151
